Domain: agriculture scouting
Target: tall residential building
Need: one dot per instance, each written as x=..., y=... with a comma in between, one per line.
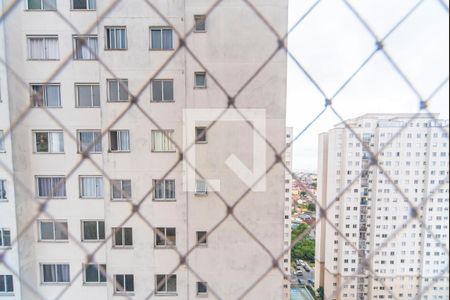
x=375, y=225
x=287, y=210
x=72, y=68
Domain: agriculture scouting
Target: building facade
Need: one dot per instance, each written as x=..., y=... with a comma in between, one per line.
x=372, y=210
x=96, y=92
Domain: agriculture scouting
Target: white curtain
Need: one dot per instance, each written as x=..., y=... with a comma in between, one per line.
x=91, y=187
x=36, y=48
x=57, y=144
x=162, y=141
x=51, y=48
x=124, y=140
x=63, y=272
x=52, y=96
x=45, y=187
x=49, y=273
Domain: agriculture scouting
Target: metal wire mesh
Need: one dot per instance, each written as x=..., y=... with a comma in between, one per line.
x=233, y=100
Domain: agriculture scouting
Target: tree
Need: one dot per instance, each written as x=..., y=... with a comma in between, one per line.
x=311, y=206
x=321, y=292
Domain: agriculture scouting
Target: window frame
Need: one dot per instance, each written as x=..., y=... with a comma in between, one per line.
x=77, y=93
x=167, y=242
x=49, y=141
x=119, y=141
x=199, y=192
x=204, y=139
x=165, y=199
x=42, y=7
x=2, y=142
x=161, y=29
x=168, y=134
x=43, y=37
x=97, y=177
x=93, y=54
x=97, y=223
x=124, y=292
x=123, y=230
x=162, y=80
x=196, y=86
x=5, y=277
x=166, y=279
x=94, y=141
x=119, y=85
x=83, y=9
x=3, y=245
x=41, y=270
x=205, y=284
x=123, y=194
x=55, y=226
x=37, y=177
x=114, y=27
x=101, y=270
x=202, y=241
x=200, y=18
x=45, y=97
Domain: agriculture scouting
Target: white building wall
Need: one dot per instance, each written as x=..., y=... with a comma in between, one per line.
x=417, y=162
x=233, y=260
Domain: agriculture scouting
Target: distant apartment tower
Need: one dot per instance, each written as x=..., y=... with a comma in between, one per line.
x=374, y=224
x=287, y=210
x=72, y=67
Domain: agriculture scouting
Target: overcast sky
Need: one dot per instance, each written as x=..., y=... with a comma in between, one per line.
x=331, y=44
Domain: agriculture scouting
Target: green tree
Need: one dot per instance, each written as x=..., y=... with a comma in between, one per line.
x=321, y=292
x=311, y=207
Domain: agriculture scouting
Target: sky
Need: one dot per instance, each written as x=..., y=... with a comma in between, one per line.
x=331, y=44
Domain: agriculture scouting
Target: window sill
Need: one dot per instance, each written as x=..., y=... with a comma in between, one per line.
x=5, y=247
x=92, y=241
x=165, y=101
x=166, y=294
x=162, y=50
x=123, y=293
x=7, y=294
x=202, y=295
x=118, y=49
x=121, y=200
x=171, y=151
x=123, y=247
x=43, y=153
x=46, y=198
x=200, y=194
x=164, y=200
x=90, y=153
x=38, y=10
x=112, y=151
x=85, y=59
x=55, y=283
x=46, y=107
x=91, y=198
x=94, y=283
x=118, y=101
x=200, y=87
x=43, y=59
x=87, y=106
x=83, y=9
x=53, y=241
x=201, y=143
x=165, y=247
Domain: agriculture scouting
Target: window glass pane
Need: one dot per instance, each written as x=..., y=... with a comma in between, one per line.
x=159, y=235
x=34, y=4
x=172, y=283
x=49, y=273
x=157, y=90
x=37, y=95
x=116, y=189
x=124, y=141
x=63, y=272
x=123, y=90
x=52, y=96
x=170, y=189
x=41, y=142
x=96, y=96
x=156, y=39
x=200, y=23
x=49, y=4
x=113, y=92
x=118, y=237
x=79, y=4
x=98, y=141
x=159, y=190
x=160, y=283
x=59, y=187
x=92, y=4
x=90, y=230
x=44, y=187
x=120, y=283
x=57, y=142
x=5, y=238
x=126, y=187
x=2, y=189
x=200, y=79
x=86, y=140
x=113, y=140
x=61, y=231
x=102, y=272
x=9, y=284
x=202, y=288
x=51, y=48
x=168, y=90
x=84, y=95
x=91, y=273
x=167, y=39
x=171, y=236
x=122, y=38
x=129, y=283
x=101, y=230
x=128, y=236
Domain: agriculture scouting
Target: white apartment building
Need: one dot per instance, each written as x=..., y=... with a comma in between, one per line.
x=372, y=209
x=72, y=67
x=288, y=155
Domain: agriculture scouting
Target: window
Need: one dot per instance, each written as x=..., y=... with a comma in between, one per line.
x=90, y=141
x=50, y=231
x=45, y=95
x=162, y=90
x=55, y=273
x=201, y=188
x=43, y=48
x=165, y=237
x=164, y=190
x=48, y=142
x=85, y=47
x=202, y=288
x=119, y=140
x=200, y=23
x=166, y=284
x=123, y=283
x=6, y=284
x=94, y=273
x=2, y=189
x=5, y=238
x=2, y=141
x=41, y=4
x=87, y=95
x=91, y=187
x=84, y=4
x=202, y=238
x=117, y=90
x=162, y=141
x=161, y=39
x=200, y=135
x=116, y=38
x=200, y=80
x=54, y=187
x=121, y=189
x=93, y=230
x=122, y=237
